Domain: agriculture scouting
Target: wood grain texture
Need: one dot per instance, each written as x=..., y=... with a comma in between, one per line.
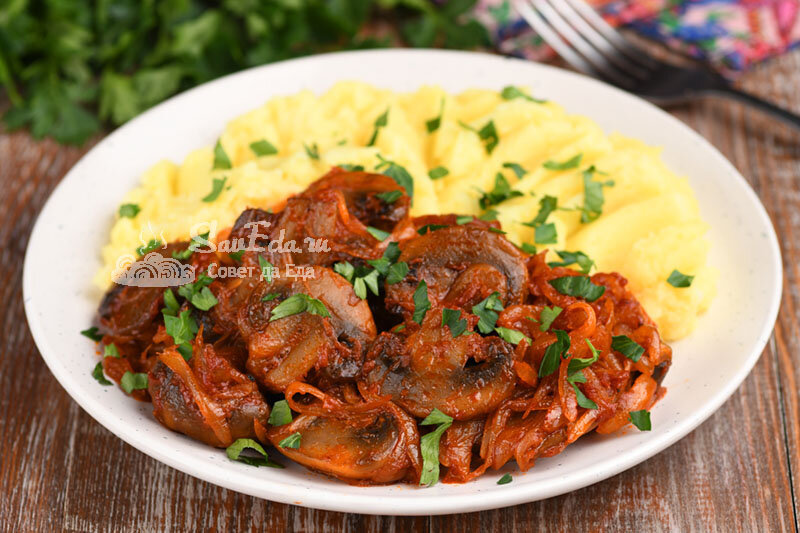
x=739, y=471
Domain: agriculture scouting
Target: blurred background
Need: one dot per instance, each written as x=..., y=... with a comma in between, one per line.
x=72, y=68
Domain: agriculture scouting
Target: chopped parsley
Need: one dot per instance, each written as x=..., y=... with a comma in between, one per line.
x=171, y=303
x=216, y=189
x=452, y=319
x=292, y=441
x=129, y=210
x=97, y=374
x=627, y=347
x=236, y=256
x=266, y=268
x=269, y=297
x=263, y=147
x=577, y=364
x=299, y=303
x=378, y=233
x=390, y=197
x=511, y=335
x=546, y=234
x=680, y=280
x=434, y=123
x=502, y=191
x=547, y=316
x=133, y=381
x=380, y=122
x=221, y=159
x=516, y=168
x=92, y=333
x=399, y=174
x=547, y=205
x=486, y=311
x=351, y=168
x=197, y=242
x=528, y=248
x=154, y=244
x=489, y=215
x=554, y=353
x=430, y=227
x=510, y=92
x=397, y=272
x=464, y=219
x=181, y=328
x=487, y=134
x=583, y=401
x=438, y=173
x=280, y=414
x=573, y=162
x=571, y=258
x=362, y=283
x=198, y=293
x=641, y=419
x=593, y=198
x=429, y=445
x=421, y=302
x=257, y=457
x=110, y=350
x=312, y=151
x=578, y=286
x=506, y=479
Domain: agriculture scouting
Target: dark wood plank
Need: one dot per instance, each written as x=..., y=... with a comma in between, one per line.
x=60, y=470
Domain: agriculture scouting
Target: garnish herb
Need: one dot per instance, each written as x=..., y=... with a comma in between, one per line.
x=528, y=248
x=97, y=374
x=399, y=174
x=221, y=160
x=502, y=191
x=181, y=328
x=510, y=92
x=234, y=453
x=263, y=147
x=397, y=272
x=171, y=303
x=517, y=168
x=389, y=197
x=641, y=419
x=429, y=445
x=547, y=316
x=186, y=351
x=489, y=215
x=392, y=252
x=266, y=268
x=236, y=256
x=680, y=280
x=547, y=205
x=505, y=479
x=488, y=134
x=378, y=233
x=312, y=151
x=133, y=381
x=110, y=350
x=292, y=441
x=216, y=189
x=486, y=311
x=363, y=282
x=154, y=244
x=438, y=173
x=421, y=302
x=452, y=319
x=430, y=227
x=92, y=334
x=351, y=168
x=578, y=286
x=627, y=347
x=198, y=293
x=593, y=198
x=511, y=335
x=583, y=401
x=573, y=162
x=198, y=241
x=269, y=297
x=434, y=123
x=299, y=303
x=464, y=219
x=346, y=270
x=129, y=210
x=546, y=234
x=554, y=353
x=570, y=258
x=497, y=230
x=280, y=414
x=577, y=364
x=380, y=122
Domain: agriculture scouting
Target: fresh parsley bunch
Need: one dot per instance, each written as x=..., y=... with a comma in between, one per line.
x=68, y=67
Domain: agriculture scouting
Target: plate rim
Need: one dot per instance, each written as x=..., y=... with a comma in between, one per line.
x=441, y=504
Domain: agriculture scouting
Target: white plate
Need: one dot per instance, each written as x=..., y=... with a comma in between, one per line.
x=63, y=255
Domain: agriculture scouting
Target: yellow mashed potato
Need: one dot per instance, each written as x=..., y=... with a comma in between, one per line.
x=649, y=226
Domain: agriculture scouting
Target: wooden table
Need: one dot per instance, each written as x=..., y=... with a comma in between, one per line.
x=740, y=470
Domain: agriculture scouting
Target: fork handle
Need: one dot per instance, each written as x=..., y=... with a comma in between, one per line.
x=780, y=113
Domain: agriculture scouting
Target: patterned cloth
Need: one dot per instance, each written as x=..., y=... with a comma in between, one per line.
x=729, y=34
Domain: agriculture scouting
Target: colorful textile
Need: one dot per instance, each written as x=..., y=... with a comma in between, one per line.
x=729, y=34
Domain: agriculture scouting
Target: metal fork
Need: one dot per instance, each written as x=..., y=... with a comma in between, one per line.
x=587, y=42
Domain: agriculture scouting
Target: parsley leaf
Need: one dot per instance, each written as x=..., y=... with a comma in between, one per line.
x=510, y=93
x=627, y=347
x=263, y=147
x=593, y=198
x=292, y=441
x=234, y=453
x=181, y=328
x=429, y=445
x=573, y=162
x=216, y=189
x=528, y=248
x=488, y=134
x=110, y=350
x=641, y=419
x=438, y=173
x=397, y=272
x=577, y=364
x=486, y=311
x=517, y=168
x=421, y=302
x=546, y=234
x=351, y=168
x=97, y=374
x=430, y=227
x=464, y=219
x=129, y=210
x=380, y=122
x=389, y=197
x=583, y=401
x=266, y=268
x=92, y=333
x=502, y=191
x=547, y=316
x=378, y=233
x=299, y=303
x=133, y=381
x=679, y=280
x=578, y=286
x=434, y=123
x=547, y=205
x=312, y=151
x=399, y=174
x=154, y=244
x=280, y=414
x=505, y=479
x=221, y=160
x=511, y=335
x=554, y=353
x=570, y=258
x=452, y=319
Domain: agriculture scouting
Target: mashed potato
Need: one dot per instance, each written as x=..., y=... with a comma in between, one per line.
x=649, y=225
